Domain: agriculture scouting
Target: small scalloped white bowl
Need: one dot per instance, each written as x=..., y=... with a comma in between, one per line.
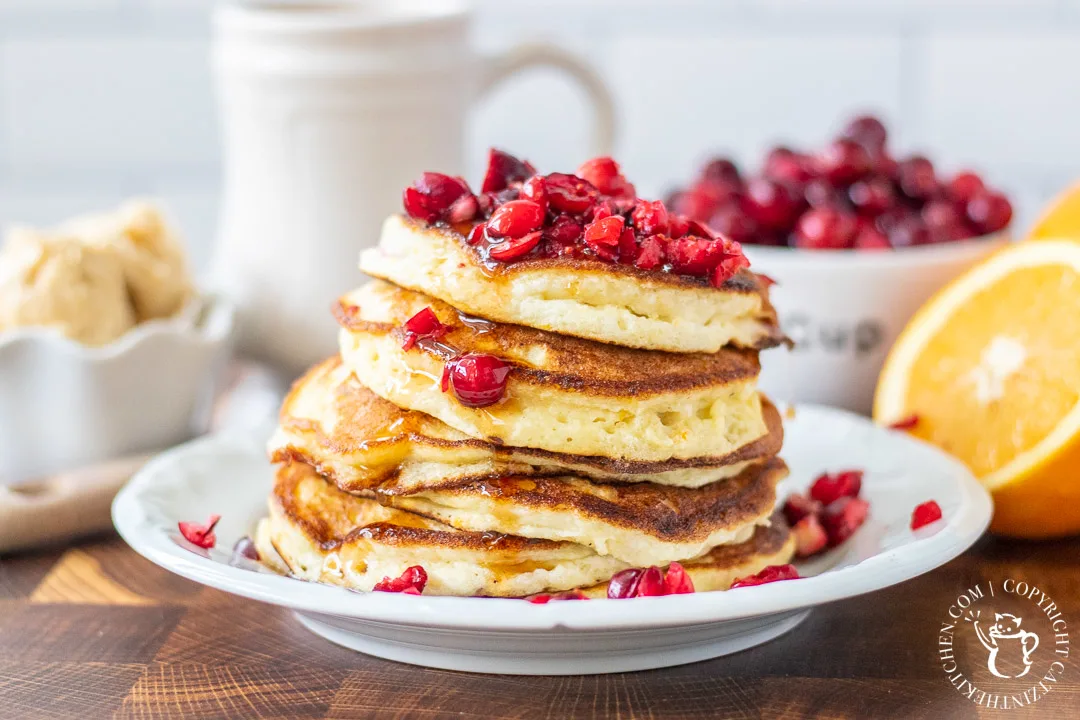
x=64, y=405
x=844, y=309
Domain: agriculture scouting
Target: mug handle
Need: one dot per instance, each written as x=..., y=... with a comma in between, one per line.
x=500, y=67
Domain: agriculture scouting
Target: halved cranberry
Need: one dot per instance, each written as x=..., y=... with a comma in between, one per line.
x=677, y=225
x=989, y=211
x=810, y=537
x=463, y=209
x=410, y=582
x=773, y=573
x=824, y=229
x=651, y=252
x=694, y=256
x=605, y=175
x=535, y=189
x=628, y=247
x=828, y=488
x=569, y=595
x=431, y=197
x=771, y=204
x=916, y=178
x=513, y=248
x=623, y=584
x=503, y=169
x=868, y=131
x=872, y=195
x=797, y=506
x=734, y=223
x=477, y=380
x=843, y=517
x=651, y=583
x=603, y=235
x=925, y=514
x=677, y=581
x=964, y=186
x=844, y=160
x=477, y=234
x=650, y=218
x=200, y=535
x=730, y=264
x=569, y=193
x=424, y=324
x=564, y=230
x=515, y=219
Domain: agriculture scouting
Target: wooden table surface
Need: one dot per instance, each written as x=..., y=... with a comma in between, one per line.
x=95, y=631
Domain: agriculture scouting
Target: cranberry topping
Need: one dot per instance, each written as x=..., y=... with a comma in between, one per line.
x=504, y=169
x=843, y=517
x=410, y=582
x=650, y=582
x=200, y=535
x=513, y=248
x=797, y=506
x=515, y=219
x=605, y=175
x=569, y=193
x=424, y=324
x=623, y=584
x=477, y=380
x=650, y=218
x=677, y=581
x=772, y=573
x=828, y=488
x=925, y=514
x=810, y=537
x=434, y=196
x=603, y=236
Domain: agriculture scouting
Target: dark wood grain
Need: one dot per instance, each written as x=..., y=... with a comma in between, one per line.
x=96, y=631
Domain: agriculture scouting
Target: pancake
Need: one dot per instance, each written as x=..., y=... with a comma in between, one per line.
x=640, y=524
x=320, y=534
x=563, y=394
x=591, y=299
x=350, y=434
x=316, y=532
x=771, y=544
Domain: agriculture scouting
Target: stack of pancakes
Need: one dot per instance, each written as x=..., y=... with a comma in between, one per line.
x=631, y=432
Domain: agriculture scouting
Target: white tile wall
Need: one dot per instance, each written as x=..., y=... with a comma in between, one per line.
x=104, y=98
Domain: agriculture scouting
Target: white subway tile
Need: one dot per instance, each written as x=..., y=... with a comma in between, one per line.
x=740, y=92
x=1001, y=98
x=109, y=102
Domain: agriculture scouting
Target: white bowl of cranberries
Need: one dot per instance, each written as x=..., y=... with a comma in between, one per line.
x=856, y=240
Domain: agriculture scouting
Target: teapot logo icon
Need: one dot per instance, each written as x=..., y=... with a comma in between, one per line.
x=1006, y=637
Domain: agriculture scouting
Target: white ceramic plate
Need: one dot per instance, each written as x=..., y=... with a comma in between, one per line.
x=232, y=477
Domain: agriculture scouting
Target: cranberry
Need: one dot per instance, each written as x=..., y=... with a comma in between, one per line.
x=503, y=169
x=829, y=488
x=916, y=178
x=678, y=225
x=772, y=573
x=964, y=186
x=605, y=175
x=677, y=581
x=603, y=235
x=821, y=193
x=244, y=549
x=732, y=261
x=200, y=535
x=410, y=582
x=569, y=193
x=477, y=234
x=513, y=248
x=477, y=380
x=651, y=583
x=842, y=518
x=623, y=584
x=797, y=506
x=569, y=595
x=989, y=212
x=872, y=195
x=649, y=218
x=871, y=239
x=868, y=131
x=695, y=255
x=650, y=253
x=424, y=324
x=771, y=204
x=721, y=171
x=696, y=202
x=431, y=197
x=564, y=230
x=787, y=166
x=907, y=231
x=535, y=189
x=942, y=220
x=844, y=160
x=824, y=229
x=810, y=537
x=515, y=219
x=732, y=222
x=925, y=514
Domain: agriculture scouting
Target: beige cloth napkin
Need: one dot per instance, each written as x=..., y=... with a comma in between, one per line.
x=73, y=504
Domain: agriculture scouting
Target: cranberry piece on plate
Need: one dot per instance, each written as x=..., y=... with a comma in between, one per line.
x=925, y=514
x=842, y=518
x=772, y=573
x=828, y=488
x=200, y=535
x=810, y=537
x=410, y=582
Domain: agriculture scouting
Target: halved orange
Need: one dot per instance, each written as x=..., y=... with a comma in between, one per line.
x=1061, y=218
x=990, y=366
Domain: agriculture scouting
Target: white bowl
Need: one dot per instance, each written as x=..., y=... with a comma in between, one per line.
x=844, y=309
x=63, y=405
x=569, y=638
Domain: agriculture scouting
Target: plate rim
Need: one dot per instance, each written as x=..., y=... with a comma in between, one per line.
x=890, y=567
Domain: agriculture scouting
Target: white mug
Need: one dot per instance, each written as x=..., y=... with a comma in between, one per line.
x=328, y=112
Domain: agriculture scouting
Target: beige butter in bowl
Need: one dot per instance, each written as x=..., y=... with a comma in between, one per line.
x=106, y=348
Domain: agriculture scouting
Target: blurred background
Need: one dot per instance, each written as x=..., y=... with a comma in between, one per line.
x=102, y=99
